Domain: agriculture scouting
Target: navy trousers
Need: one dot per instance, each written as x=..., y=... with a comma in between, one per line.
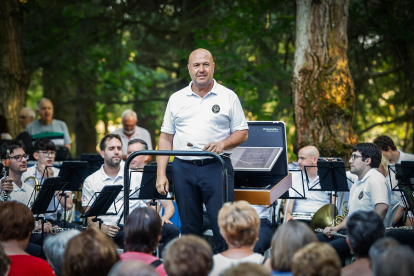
x=404, y=237
x=338, y=243
x=194, y=185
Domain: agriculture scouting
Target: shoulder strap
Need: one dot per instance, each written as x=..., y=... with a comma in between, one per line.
x=156, y=263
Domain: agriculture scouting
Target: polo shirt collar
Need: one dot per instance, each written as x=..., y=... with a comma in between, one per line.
x=17, y=189
x=213, y=90
x=105, y=177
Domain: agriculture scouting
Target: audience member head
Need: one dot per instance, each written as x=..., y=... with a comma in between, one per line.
x=239, y=224
x=379, y=247
x=143, y=229
x=45, y=111
x=4, y=262
x=132, y=268
x=4, y=126
x=18, y=156
x=383, y=167
x=187, y=256
x=288, y=239
x=54, y=248
x=89, y=253
x=26, y=116
x=364, y=228
x=246, y=269
x=44, y=151
x=308, y=156
x=17, y=222
x=111, y=150
x=129, y=121
x=316, y=259
x=365, y=156
x=397, y=260
x=137, y=145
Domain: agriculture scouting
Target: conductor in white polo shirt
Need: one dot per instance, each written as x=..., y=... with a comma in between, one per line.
x=204, y=116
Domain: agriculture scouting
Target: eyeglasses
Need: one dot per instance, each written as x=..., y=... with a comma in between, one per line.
x=353, y=156
x=48, y=153
x=18, y=158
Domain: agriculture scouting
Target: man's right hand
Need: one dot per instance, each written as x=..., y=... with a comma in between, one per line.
x=162, y=184
x=110, y=230
x=327, y=231
x=7, y=185
x=48, y=228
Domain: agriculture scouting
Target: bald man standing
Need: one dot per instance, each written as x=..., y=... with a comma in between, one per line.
x=204, y=116
x=307, y=156
x=47, y=127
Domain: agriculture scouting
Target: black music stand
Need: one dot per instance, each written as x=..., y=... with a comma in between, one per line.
x=95, y=161
x=404, y=172
x=332, y=175
x=61, y=153
x=148, y=188
x=73, y=173
x=43, y=199
x=106, y=197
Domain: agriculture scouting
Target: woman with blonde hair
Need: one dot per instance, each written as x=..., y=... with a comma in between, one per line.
x=239, y=225
x=289, y=238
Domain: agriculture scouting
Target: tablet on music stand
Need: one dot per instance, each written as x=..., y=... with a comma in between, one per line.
x=73, y=173
x=95, y=161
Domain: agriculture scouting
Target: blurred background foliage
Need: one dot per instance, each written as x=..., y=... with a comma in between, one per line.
x=100, y=57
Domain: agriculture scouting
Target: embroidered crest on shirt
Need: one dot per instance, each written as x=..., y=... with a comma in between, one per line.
x=361, y=195
x=215, y=109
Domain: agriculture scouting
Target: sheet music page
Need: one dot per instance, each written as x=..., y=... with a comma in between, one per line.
x=254, y=158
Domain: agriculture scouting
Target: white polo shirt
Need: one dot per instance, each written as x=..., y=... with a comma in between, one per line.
x=54, y=203
x=25, y=194
x=314, y=199
x=262, y=211
x=139, y=133
x=372, y=189
x=95, y=183
x=198, y=121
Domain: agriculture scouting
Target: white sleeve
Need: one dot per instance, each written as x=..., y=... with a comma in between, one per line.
x=237, y=118
x=87, y=192
x=379, y=193
x=168, y=121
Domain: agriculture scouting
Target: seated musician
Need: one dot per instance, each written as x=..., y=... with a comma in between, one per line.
x=394, y=156
x=369, y=192
x=169, y=230
x=19, y=191
x=307, y=156
x=44, y=153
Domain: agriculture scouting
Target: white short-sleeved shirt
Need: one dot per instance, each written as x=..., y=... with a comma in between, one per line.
x=262, y=211
x=95, y=183
x=25, y=194
x=54, y=204
x=198, y=121
x=139, y=133
x=371, y=190
x=221, y=263
x=314, y=199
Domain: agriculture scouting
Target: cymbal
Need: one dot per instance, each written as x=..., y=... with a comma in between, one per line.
x=324, y=217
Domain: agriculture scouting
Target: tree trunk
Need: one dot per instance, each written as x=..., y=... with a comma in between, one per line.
x=14, y=78
x=322, y=86
x=85, y=120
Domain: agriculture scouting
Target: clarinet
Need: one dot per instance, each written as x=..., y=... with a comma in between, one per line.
x=6, y=195
x=56, y=230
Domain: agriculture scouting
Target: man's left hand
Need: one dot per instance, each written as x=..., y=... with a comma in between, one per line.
x=215, y=147
x=165, y=220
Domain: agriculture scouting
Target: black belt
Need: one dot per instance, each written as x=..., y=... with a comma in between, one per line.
x=202, y=162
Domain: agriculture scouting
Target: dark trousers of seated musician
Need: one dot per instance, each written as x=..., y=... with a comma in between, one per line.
x=194, y=185
x=339, y=243
x=403, y=237
x=265, y=234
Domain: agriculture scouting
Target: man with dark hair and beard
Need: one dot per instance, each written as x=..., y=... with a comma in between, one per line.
x=111, y=173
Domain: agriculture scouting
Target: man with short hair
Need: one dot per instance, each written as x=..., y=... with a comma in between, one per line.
x=204, y=116
x=130, y=131
x=19, y=191
x=26, y=116
x=111, y=173
x=169, y=230
x=307, y=156
x=47, y=127
x=394, y=156
x=44, y=153
x=369, y=192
